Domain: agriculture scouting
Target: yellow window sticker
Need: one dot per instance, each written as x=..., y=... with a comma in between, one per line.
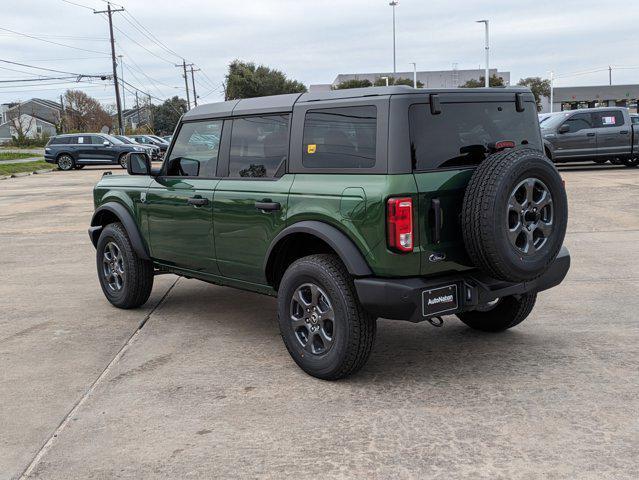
x=312, y=148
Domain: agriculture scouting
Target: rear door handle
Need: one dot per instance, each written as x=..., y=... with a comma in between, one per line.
x=591, y=134
x=267, y=205
x=623, y=132
x=198, y=201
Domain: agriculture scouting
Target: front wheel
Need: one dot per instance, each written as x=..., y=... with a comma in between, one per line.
x=501, y=315
x=125, y=278
x=323, y=325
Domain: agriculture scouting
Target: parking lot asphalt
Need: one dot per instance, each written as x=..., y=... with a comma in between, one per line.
x=197, y=384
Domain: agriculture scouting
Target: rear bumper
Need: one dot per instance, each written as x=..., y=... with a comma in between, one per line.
x=401, y=298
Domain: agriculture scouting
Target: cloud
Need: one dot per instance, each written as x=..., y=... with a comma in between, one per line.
x=313, y=41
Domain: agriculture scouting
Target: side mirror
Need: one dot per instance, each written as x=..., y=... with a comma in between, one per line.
x=565, y=128
x=106, y=143
x=139, y=164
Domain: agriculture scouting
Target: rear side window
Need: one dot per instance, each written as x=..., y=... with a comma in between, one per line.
x=344, y=137
x=259, y=146
x=460, y=134
x=610, y=119
x=196, y=149
x=579, y=121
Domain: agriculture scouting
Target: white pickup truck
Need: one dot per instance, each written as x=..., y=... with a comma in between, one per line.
x=593, y=134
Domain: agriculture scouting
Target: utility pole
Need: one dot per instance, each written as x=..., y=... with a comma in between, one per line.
x=186, y=82
x=109, y=11
x=394, y=3
x=62, y=119
x=150, y=113
x=122, y=81
x=137, y=110
x=193, y=83
x=487, y=47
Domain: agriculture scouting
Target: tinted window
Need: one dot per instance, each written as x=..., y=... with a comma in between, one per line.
x=84, y=140
x=579, y=121
x=612, y=118
x=57, y=141
x=196, y=149
x=95, y=140
x=259, y=145
x=340, y=137
x=460, y=134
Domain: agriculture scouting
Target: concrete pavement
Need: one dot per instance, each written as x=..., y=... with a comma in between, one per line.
x=205, y=389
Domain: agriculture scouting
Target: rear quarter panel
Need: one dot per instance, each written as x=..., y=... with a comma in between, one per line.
x=356, y=205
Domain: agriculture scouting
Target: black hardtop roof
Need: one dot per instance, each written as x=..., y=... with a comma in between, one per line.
x=285, y=103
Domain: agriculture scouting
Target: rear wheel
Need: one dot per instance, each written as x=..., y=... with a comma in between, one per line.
x=65, y=162
x=501, y=315
x=631, y=162
x=125, y=278
x=124, y=160
x=323, y=325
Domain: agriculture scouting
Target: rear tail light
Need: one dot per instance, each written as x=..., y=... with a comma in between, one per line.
x=400, y=224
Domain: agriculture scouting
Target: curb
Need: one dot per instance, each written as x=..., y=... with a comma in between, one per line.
x=40, y=172
x=21, y=174
x=4, y=177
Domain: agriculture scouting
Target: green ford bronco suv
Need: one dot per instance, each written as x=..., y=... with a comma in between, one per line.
x=351, y=205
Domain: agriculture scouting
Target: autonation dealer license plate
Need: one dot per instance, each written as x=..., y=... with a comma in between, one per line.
x=440, y=300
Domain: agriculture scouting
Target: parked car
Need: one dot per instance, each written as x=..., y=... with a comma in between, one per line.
x=74, y=151
x=595, y=134
x=149, y=140
x=152, y=150
x=167, y=138
x=349, y=205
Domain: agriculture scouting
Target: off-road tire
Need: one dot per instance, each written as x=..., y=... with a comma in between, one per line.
x=507, y=313
x=354, y=329
x=484, y=218
x=123, y=160
x=138, y=273
x=65, y=162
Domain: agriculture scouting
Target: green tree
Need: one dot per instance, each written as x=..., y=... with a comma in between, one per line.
x=381, y=82
x=540, y=88
x=247, y=80
x=494, y=81
x=167, y=115
x=355, y=83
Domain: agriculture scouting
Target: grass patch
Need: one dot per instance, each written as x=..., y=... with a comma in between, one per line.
x=16, y=155
x=11, y=168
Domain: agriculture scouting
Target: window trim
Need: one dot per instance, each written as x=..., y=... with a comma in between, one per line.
x=210, y=175
x=381, y=103
x=224, y=162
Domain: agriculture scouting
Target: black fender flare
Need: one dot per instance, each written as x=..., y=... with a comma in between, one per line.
x=126, y=219
x=336, y=239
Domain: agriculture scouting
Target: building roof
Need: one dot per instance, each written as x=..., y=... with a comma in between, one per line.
x=597, y=92
x=285, y=103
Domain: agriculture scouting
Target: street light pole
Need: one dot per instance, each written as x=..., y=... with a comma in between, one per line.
x=414, y=74
x=487, y=47
x=394, y=3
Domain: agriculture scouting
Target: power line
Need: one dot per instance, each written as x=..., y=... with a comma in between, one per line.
x=51, y=69
x=78, y=4
x=50, y=41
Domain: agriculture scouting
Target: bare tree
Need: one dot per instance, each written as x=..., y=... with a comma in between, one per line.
x=84, y=114
x=22, y=121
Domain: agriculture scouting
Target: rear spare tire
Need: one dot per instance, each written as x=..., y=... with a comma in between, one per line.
x=514, y=215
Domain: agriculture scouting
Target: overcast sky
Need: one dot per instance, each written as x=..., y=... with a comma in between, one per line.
x=313, y=41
